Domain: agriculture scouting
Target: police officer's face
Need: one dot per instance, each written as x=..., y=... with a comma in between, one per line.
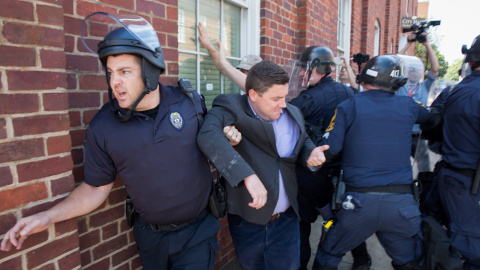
x=126, y=80
x=269, y=105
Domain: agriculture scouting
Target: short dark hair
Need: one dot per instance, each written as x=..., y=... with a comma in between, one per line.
x=263, y=75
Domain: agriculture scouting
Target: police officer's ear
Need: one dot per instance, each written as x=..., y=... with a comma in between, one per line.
x=399, y=82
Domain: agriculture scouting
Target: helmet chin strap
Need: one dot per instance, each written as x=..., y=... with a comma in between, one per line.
x=117, y=113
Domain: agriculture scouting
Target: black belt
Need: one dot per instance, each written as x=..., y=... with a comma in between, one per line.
x=277, y=215
x=178, y=226
x=467, y=172
x=402, y=189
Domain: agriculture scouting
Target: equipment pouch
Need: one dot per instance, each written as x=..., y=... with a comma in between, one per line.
x=339, y=190
x=416, y=189
x=129, y=211
x=217, y=200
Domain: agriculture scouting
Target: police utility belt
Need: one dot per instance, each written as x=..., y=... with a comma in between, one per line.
x=414, y=188
x=173, y=227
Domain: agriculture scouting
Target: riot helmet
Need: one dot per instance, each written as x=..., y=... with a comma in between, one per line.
x=316, y=58
x=472, y=57
x=133, y=35
x=413, y=68
x=384, y=72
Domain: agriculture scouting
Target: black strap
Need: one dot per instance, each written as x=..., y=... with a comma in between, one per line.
x=467, y=172
x=403, y=189
x=176, y=227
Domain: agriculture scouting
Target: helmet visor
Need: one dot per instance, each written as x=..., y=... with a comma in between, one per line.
x=98, y=24
x=297, y=83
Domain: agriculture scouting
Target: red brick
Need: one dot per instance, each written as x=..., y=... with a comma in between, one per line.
x=8, y=221
x=90, y=239
x=110, y=246
x=101, y=218
x=78, y=174
x=165, y=26
x=62, y=185
x=93, y=82
x=5, y=178
x=88, y=116
x=20, y=150
x=43, y=168
x=40, y=207
x=55, y=101
x=55, y=2
x=18, y=196
x=65, y=226
x=103, y=264
x=32, y=35
x=70, y=261
x=50, y=15
x=71, y=81
x=51, y=250
x=117, y=196
x=58, y=144
x=49, y=266
x=71, y=24
x=69, y=44
x=15, y=9
x=13, y=264
x=40, y=124
x=82, y=63
x=109, y=231
x=127, y=4
x=77, y=155
x=18, y=103
x=52, y=59
x=84, y=99
x=84, y=8
x=86, y=259
x=124, y=255
x=172, y=13
x=150, y=7
x=17, y=56
x=75, y=119
x=44, y=80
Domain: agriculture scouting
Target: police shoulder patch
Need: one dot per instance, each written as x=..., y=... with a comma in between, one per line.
x=332, y=122
x=176, y=120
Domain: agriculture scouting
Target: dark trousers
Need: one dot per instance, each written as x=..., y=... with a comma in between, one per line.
x=192, y=247
x=271, y=246
x=463, y=213
x=395, y=219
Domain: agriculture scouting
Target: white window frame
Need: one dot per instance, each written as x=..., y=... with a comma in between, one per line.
x=346, y=35
x=376, y=42
x=249, y=35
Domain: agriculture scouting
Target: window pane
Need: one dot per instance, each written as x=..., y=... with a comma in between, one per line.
x=228, y=86
x=209, y=80
x=210, y=17
x=231, y=31
x=188, y=67
x=186, y=25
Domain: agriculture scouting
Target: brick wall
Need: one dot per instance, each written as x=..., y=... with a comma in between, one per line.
x=51, y=87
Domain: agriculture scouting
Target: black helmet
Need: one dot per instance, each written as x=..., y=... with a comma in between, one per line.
x=472, y=54
x=121, y=41
x=319, y=57
x=384, y=71
x=131, y=35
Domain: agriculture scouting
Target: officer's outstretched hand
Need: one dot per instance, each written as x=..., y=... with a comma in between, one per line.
x=233, y=135
x=24, y=227
x=257, y=191
x=317, y=157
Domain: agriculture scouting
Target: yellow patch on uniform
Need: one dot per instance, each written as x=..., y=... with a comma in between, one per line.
x=332, y=122
x=176, y=120
x=420, y=104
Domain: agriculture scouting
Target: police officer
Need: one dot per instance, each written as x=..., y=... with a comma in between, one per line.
x=461, y=153
x=147, y=136
x=318, y=104
x=373, y=130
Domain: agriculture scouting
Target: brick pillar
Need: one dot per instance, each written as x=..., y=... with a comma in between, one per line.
x=35, y=161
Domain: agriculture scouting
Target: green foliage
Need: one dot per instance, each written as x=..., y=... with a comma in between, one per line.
x=421, y=53
x=452, y=72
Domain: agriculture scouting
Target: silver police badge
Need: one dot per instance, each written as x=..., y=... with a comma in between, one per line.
x=176, y=120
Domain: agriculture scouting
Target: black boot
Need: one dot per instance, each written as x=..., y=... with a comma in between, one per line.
x=361, y=259
x=318, y=266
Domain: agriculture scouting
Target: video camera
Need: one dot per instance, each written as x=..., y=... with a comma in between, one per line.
x=419, y=28
x=360, y=58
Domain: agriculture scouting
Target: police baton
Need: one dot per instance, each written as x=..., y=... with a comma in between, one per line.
x=476, y=180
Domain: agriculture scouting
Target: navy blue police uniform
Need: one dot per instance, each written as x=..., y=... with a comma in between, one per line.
x=166, y=176
x=461, y=154
x=318, y=105
x=373, y=131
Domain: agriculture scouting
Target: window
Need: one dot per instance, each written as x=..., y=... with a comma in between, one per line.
x=376, y=44
x=234, y=22
x=343, y=28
